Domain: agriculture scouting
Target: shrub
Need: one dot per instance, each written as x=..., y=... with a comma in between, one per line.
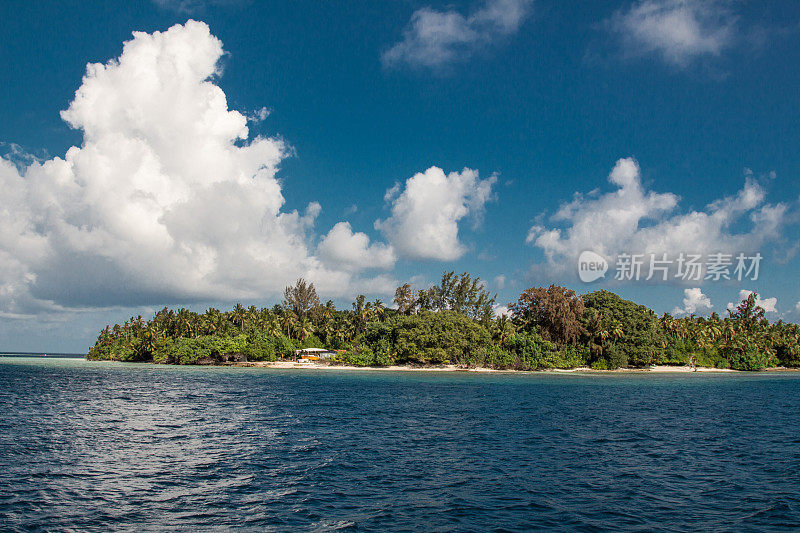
x=260, y=347
x=188, y=351
x=164, y=352
x=311, y=341
x=675, y=353
x=532, y=352
x=616, y=357
x=364, y=356
x=283, y=346
x=748, y=359
x=710, y=357
x=787, y=355
x=114, y=350
x=437, y=338
x=496, y=357
x=573, y=356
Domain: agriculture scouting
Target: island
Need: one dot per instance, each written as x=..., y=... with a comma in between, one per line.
x=454, y=325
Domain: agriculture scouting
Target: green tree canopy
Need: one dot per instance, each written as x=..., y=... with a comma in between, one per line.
x=633, y=337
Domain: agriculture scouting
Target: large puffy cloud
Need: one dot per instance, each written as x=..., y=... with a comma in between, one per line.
x=636, y=221
x=694, y=302
x=434, y=39
x=678, y=30
x=427, y=211
x=168, y=198
x=20, y=245
x=353, y=250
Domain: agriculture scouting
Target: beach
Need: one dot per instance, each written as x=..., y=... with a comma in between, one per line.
x=456, y=368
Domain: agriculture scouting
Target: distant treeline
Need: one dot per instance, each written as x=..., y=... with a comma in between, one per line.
x=453, y=323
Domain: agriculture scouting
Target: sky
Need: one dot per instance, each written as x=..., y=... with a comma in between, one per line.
x=198, y=153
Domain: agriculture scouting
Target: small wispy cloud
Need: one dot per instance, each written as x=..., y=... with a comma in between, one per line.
x=435, y=39
x=258, y=115
x=191, y=7
x=680, y=31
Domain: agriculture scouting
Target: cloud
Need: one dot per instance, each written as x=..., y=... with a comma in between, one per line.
x=190, y=7
x=258, y=115
x=434, y=39
x=680, y=31
x=353, y=251
x=694, y=303
x=168, y=199
x=17, y=155
x=500, y=282
x=427, y=210
x=633, y=220
x=768, y=304
x=501, y=310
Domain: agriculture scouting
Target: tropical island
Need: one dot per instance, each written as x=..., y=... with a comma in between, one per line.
x=453, y=323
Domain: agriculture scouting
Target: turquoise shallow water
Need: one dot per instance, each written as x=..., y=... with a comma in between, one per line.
x=100, y=446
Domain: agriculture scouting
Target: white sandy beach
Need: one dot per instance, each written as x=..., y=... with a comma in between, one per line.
x=454, y=368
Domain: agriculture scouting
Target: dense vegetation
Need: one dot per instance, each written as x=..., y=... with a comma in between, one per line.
x=453, y=323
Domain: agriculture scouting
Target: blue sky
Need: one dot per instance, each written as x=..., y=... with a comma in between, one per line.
x=538, y=100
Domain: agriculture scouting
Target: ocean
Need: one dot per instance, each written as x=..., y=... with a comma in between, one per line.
x=109, y=446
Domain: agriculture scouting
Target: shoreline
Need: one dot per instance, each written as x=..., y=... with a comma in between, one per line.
x=294, y=365
x=659, y=369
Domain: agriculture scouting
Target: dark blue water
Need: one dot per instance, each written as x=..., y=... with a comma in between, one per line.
x=99, y=446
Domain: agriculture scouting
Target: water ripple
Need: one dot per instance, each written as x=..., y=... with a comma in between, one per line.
x=98, y=446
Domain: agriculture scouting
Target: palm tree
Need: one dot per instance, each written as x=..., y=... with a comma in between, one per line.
x=149, y=340
x=379, y=309
x=239, y=316
x=328, y=329
x=305, y=329
x=274, y=326
x=289, y=322
x=503, y=329
x=616, y=330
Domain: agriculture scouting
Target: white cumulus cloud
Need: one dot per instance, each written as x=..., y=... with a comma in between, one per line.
x=437, y=38
x=768, y=304
x=501, y=310
x=427, y=210
x=353, y=251
x=633, y=220
x=694, y=303
x=678, y=30
x=167, y=199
